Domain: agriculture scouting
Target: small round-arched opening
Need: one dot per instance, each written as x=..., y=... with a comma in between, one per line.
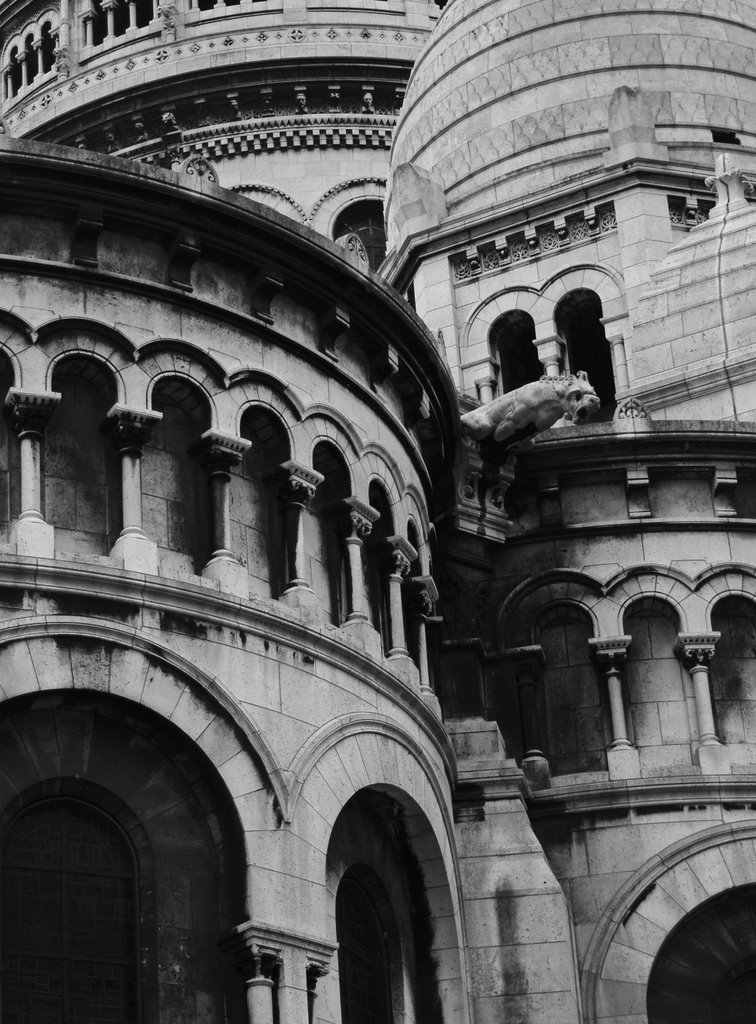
x=329, y=568
x=655, y=678
x=256, y=511
x=578, y=322
x=82, y=472
x=31, y=56
x=15, y=77
x=731, y=671
x=364, y=218
x=47, y=48
x=511, y=340
x=174, y=484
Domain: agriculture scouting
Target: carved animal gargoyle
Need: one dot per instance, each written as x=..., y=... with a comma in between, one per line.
x=533, y=408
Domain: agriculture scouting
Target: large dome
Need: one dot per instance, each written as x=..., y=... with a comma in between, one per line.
x=511, y=97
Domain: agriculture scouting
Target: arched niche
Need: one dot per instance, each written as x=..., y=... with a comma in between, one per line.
x=731, y=668
x=511, y=340
x=117, y=760
x=375, y=551
x=656, y=684
x=705, y=972
x=575, y=710
x=256, y=511
x=323, y=537
x=174, y=485
x=373, y=864
x=81, y=468
x=577, y=319
x=9, y=458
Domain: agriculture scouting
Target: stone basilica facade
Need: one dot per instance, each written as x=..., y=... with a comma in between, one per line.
x=314, y=708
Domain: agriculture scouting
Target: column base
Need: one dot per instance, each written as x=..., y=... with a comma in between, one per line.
x=713, y=759
x=431, y=701
x=231, y=577
x=623, y=762
x=537, y=771
x=302, y=599
x=136, y=552
x=34, y=537
x=365, y=633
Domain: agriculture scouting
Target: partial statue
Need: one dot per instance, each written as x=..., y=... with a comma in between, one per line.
x=533, y=407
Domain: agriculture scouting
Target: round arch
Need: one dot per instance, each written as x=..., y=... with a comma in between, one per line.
x=649, y=906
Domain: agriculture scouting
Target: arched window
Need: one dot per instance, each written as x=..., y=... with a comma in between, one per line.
x=364, y=218
x=656, y=683
x=32, y=58
x=576, y=711
x=578, y=323
x=9, y=458
x=328, y=575
x=174, y=485
x=511, y=339
x=256, y=511
x=732, y=669
x=69, y=917
x=376, y=553
x=82, y=472
x=364, y=982
x=47, y=48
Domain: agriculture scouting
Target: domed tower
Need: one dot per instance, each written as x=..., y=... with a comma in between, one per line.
x=570, y=192
x=290, y=103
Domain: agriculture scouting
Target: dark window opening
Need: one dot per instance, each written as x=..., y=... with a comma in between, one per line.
x=365, y=219
x=725, y=136
x=578, y=323
x=511, y=340
x=69, y=918
x=47, y=48
x=363, y=962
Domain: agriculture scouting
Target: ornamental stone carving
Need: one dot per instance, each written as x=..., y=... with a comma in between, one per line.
x=533, y=408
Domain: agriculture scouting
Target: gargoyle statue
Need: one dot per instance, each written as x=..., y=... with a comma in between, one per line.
x=533, y=407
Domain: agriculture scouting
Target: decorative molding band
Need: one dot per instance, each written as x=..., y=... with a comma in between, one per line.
x=519, y=247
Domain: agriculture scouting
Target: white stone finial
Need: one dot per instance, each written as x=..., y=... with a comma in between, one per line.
x=729, y=182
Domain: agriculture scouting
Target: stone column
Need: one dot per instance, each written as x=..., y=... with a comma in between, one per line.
x=619, y=362
x=551, y=354
x=421, y=594
x=132, y=15
x=129, y=431
x=257, y=963
x=357, y=520
x=611, y=654
x=398, y=560
x=696, y=650
x=219, y=453
x=315, y=970
x=528, y=674
x=296, y=492
x=88, y=20
x=24, y=69
x=29, y=413
x=109, y=6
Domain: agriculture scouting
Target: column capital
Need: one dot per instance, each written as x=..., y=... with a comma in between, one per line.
x=316, y=967
x=398, y=555
x=130, y=429
x=357, y=518
x=219, y=453
x=29, y=411
x=610, y=651
x=422, y=594
x=529, y=658
x=696, y=649
x=298, y=483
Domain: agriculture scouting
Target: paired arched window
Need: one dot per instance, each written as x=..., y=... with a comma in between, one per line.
x=69, y=916
x=511, y=339
x=35, y=57
x=364, y=218
x=578, y=323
